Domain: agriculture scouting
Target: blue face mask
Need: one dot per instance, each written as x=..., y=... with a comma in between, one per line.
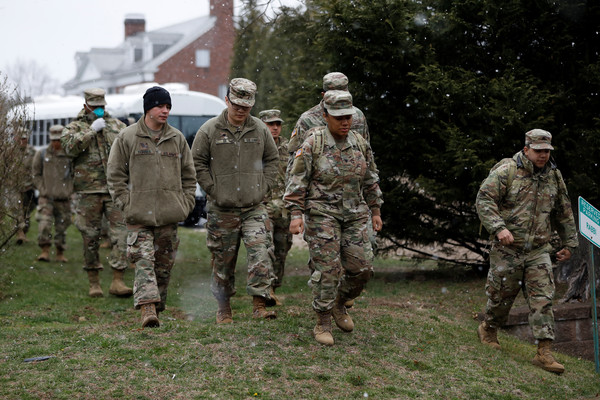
x=99, y=112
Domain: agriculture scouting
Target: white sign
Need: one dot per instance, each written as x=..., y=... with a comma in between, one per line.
x=589, y=222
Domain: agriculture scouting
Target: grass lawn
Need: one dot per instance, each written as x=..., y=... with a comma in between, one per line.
x=415, y=338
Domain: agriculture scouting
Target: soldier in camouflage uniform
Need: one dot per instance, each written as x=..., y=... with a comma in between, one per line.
x=236, y=164
x=334, y=183
x=279, y=219
x=517, y=204
x=151, y=177
x=53, y=179
x=88, y=140
x=26, y=200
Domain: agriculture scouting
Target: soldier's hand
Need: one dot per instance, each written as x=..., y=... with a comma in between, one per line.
x=98, y=124
x=505, y=237
x=297, y=226
x=563, y=255
x=377, y=223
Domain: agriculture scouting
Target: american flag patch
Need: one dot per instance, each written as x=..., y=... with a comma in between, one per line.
x=298, y=153
x=294, y=133
x=144, y=146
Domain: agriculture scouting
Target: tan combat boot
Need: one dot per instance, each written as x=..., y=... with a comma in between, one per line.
x=117, y=286
x=488, y=335
x=544, y=358
x=224, y=314
x=45, y=255
x=21, y=238
x=259, y=311
x=274, y=300
x=95, y=289
x=60, y=255
x=349, y=303
x=341, y=317
x=149, y=317
x=322, y=330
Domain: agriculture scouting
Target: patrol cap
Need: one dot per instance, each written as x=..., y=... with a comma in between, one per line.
x=335, y=81
x=270, y=116
x=94, y=97
x=242, y=91
x=56, y=131
x=338, y=102
x=538, y=139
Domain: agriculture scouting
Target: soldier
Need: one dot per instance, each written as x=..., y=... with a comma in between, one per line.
x=279, y=220
x=88, y=140
x=334, y=183
x=236, y=164
x=151, y=178
x=26, y=199
x=53, y=179
x=516, y=204
x=313, y=117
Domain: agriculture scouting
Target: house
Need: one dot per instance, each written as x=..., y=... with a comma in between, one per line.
x=196, y=52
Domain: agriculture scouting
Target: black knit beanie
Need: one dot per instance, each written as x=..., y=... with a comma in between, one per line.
x=155, y=96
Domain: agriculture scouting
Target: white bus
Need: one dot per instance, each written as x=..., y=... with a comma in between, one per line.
x=190, y=110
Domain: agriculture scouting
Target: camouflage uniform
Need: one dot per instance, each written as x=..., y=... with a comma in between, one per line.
x=27, y=194
x=52, y=177
x=335, y=192
x=526, y=209
x=237, y=168
x=152, y=206
x=279, y=220
x=90, y=151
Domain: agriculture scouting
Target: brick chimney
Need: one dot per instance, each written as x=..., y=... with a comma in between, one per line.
x=134, y=23
x=223, y=10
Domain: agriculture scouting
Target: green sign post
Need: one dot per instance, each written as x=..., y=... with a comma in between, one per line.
x=589, y=227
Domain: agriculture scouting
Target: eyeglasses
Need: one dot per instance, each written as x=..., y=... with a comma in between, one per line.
x=237, y=107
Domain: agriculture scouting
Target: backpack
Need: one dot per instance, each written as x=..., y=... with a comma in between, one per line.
x=319, y=144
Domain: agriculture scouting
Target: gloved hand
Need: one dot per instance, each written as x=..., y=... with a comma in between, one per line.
x=98, y=124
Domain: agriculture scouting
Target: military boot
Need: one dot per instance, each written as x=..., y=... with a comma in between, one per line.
x=341, y=317
x=349, y=303
x=149, y=317
x=544, y=358
x=95, y=289
x=60, y=255
x=45, y=255
x=259, y=311
x=488, y=335
x=322, y=330
x=21, y=238
x=117, y=286
x=224, y=313
x=274, y=300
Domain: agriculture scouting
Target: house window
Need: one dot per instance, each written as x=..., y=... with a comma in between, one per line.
x=137, y=55
x=203, y=58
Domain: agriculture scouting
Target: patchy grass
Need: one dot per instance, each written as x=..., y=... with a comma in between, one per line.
x=414, y=339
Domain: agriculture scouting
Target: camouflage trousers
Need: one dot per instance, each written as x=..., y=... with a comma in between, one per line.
x=88, y=219
x=225, y=230
x=340, y=258
x=53, y=212
x=152, y=249
x=26, y=205
x=279, y=229
x=512, y=270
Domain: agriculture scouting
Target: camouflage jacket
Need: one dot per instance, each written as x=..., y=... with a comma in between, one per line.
x=52, y=173
x=279, y=189
x=342, y=183
x=27, y=183
x=530, y=207
x=153, y=183
x=313, y=118
x=90, y=150
x=235, y=170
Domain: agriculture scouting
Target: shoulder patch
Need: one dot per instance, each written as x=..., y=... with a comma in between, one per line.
x=298, y=153
x=294, y=133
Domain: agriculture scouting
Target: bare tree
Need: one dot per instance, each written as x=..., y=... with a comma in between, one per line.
x=31, y=78
x=13, y=121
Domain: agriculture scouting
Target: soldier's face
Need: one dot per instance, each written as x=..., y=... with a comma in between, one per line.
x=339, y=126
x=275, y=128
x=235, y=113
x=539, y=158
x=160, y=113
x=55, y=144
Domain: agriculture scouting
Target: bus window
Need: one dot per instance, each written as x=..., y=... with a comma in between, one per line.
x=190, y=125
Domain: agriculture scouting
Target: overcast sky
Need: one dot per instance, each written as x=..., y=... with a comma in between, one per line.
x=52, y=31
